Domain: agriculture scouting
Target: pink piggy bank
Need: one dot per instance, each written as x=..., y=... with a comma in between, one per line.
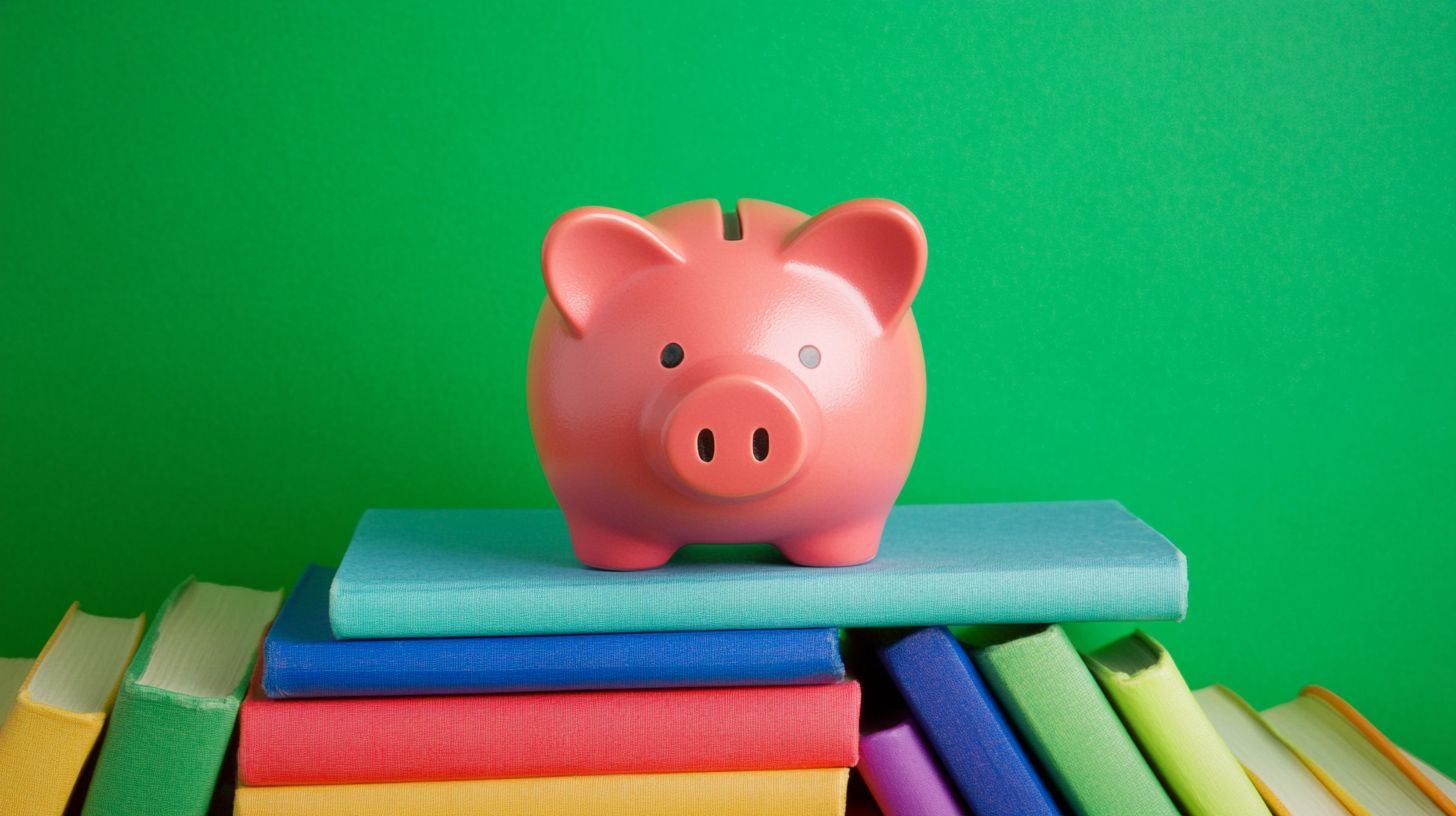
x=698, y=377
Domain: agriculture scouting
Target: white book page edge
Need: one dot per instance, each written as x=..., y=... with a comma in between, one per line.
x=85, y=663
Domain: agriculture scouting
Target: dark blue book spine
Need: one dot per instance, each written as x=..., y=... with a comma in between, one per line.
x=965, y=725
x=301, y=658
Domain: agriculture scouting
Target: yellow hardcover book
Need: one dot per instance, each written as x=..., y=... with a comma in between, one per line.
x=59, y=710
x=1147, y=689
x=814, y=792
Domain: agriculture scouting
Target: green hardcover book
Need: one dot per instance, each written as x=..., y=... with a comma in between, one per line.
x=178, y=702
x=1047, y=691
x=1147, y=689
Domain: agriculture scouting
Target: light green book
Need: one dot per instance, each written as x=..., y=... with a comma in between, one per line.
x=1041, y=681
x=1146, y=688
x=178, y=702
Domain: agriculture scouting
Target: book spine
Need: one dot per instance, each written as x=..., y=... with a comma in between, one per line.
x=903, y=774
x=818, y=792
x=317, y=742
x=1198, y=768
x=1151, y=592
x=965, y=725
x=764, y=604
x=1048, y=692
x=162, y=753
x=163, y=750
x=552, y=663
x=1126, y=571
x=42, y=750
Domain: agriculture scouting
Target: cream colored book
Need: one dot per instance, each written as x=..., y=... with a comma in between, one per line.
x=1287, y=785
x=1440, y=780
x=1363, y=768
x=1147, y=689
x=59, y=709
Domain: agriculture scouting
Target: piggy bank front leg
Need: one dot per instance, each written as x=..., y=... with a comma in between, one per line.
x=608, y=548
x=843, y=546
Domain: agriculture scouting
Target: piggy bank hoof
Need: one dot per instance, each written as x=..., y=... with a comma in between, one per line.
x=611, y=550
x=839, y=547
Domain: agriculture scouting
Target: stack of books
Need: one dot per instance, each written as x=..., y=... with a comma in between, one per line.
x=464, y=662
x=662, y=722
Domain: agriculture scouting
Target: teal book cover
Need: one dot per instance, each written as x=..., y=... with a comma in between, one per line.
x=453, y=573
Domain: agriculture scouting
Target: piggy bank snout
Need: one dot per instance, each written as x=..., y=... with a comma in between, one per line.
x=736, y=436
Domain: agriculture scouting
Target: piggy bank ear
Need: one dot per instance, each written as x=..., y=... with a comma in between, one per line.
x=589, y=251
x=876, y=245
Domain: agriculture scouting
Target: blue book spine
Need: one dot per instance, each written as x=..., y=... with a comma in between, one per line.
x=303, y=659
x=965, y=725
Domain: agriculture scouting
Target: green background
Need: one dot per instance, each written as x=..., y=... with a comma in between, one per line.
x=265, y=265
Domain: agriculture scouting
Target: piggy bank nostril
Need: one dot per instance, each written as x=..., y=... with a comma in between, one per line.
x=732, y=437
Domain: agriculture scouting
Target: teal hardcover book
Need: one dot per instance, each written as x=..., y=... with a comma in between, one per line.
x=463, y=573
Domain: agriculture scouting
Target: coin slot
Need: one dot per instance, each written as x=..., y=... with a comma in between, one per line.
x=732, y=227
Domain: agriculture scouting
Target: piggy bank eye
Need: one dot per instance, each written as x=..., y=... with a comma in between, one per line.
x=809, y=356
x=672, y=354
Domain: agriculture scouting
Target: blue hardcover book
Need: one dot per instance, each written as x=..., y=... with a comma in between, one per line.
x=463, y=573
x=965, y=725
x=301, y=658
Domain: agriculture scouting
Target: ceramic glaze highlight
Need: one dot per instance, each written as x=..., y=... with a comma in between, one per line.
x=702, y=379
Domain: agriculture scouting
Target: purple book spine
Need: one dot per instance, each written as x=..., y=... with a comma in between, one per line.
x=903, y=774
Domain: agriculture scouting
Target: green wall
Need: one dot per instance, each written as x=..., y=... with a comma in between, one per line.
x=265, y=265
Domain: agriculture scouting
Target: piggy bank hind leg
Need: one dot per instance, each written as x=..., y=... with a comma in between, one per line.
x=842, y=546
x=611, y=549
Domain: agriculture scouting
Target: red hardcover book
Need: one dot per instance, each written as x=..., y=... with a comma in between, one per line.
x=494, y=736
